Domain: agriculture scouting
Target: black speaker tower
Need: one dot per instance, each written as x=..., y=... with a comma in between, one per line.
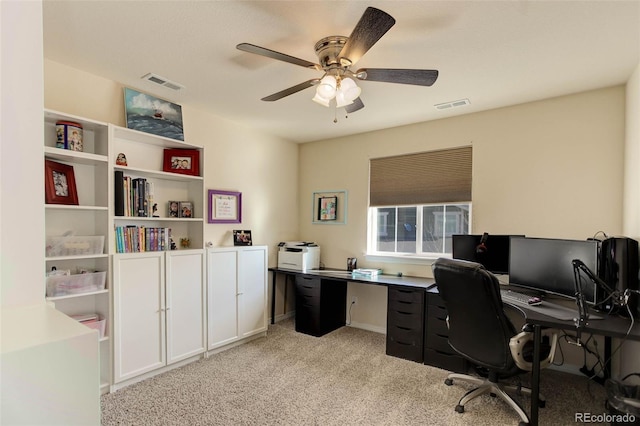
x=619, y=270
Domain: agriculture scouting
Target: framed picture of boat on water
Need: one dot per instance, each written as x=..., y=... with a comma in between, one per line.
x=149, y=114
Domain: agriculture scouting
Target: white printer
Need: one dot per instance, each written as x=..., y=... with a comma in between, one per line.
x=298, y=255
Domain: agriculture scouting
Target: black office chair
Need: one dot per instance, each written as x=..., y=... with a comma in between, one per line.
x=480, y=331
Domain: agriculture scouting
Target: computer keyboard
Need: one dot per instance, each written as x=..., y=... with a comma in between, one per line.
x=553, y=310
x=515, y=297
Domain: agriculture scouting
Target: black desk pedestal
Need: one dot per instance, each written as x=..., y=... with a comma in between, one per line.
x=405, y=322
x=321, y=305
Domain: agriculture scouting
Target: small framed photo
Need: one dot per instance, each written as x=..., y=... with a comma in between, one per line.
x=186, y=209
x=328, y=208
x=59, y=183
x=241, y=237
x=224, y=206
x=173, y=209
x=183, y=161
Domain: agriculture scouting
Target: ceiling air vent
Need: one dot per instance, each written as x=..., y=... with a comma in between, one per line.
x=453, y=104
x=154, y=78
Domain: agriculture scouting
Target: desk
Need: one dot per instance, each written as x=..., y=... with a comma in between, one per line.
x=343, y=275
x=609, y=326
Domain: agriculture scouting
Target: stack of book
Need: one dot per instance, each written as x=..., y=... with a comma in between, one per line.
x=135, y=239
x=133, y=196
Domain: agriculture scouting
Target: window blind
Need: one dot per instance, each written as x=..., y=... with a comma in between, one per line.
x=433, y=177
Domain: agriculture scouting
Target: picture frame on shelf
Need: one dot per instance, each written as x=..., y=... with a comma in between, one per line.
x=173, y=209
x=150, y=114
x=59, y=183
x=183, y=161
x=242, y=237
x=224, y=206
x=186, y=209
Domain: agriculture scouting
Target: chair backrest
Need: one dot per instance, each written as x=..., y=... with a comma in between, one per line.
x=479, y=330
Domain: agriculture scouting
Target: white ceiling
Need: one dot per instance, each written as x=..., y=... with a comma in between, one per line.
x=494, y=53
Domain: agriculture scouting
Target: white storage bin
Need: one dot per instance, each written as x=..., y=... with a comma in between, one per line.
x=98, y=325
x=74, y=246
x=63, y=285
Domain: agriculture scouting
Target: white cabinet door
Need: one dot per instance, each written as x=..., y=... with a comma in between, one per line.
x=252, y=290
x=222, y=292
x=185, y=304
x=139, y=320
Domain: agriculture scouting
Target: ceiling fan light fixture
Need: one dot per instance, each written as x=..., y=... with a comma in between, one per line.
x=321, y=100
x=350, y=89
x=327, y=87
x=341, y=99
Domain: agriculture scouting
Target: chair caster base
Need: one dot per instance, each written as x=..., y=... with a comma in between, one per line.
x=448, y=382
x=459, y=408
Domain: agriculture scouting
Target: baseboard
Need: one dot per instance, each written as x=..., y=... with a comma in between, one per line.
x=282, y=317
x=368, y=327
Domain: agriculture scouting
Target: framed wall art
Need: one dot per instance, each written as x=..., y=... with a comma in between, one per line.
x=183, y=161
x=329, y=207
x=149, y=114
x=224, y=206
x=59, y=183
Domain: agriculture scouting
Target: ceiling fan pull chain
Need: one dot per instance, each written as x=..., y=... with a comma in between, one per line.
x=335, y=114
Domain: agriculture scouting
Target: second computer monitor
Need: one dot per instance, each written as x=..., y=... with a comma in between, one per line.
x=493, y=254
x=545, y=264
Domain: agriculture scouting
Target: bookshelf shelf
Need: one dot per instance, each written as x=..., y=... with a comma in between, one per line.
x=89, y=218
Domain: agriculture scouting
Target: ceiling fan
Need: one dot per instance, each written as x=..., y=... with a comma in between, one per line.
x=336, y=55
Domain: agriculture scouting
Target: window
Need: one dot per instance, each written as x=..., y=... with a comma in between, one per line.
x=417, y=201
x=423, y=230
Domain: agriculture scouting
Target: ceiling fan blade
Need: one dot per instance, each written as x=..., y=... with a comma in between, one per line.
x=403, y=76
x=373, y=24
x=263, y=51
x=355, y=106
x=291, y=90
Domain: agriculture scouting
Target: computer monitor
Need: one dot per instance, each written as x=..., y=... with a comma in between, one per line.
x=494, y=256
x=545, y=264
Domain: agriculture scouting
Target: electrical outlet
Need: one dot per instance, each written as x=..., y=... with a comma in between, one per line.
x=354, y=300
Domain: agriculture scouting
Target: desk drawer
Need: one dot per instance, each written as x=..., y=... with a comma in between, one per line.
x=407, y=295
x=405, y=307
x=308, y=286
x=439, y=343
x=410, y=350
x=406, y=320
x=445, y=361
x=405, y=335
x=434, y=299
x=437, y=313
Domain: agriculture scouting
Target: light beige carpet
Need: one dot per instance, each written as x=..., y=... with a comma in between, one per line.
x=343, y=378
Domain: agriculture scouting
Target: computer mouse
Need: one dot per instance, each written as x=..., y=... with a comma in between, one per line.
x=534, y=300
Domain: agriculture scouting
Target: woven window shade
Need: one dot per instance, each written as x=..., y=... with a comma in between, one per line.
x=425, y=178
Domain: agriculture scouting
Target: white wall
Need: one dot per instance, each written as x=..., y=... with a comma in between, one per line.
x=21, y=165
x=629, y=359
x=551, y=168
x=49, y=362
